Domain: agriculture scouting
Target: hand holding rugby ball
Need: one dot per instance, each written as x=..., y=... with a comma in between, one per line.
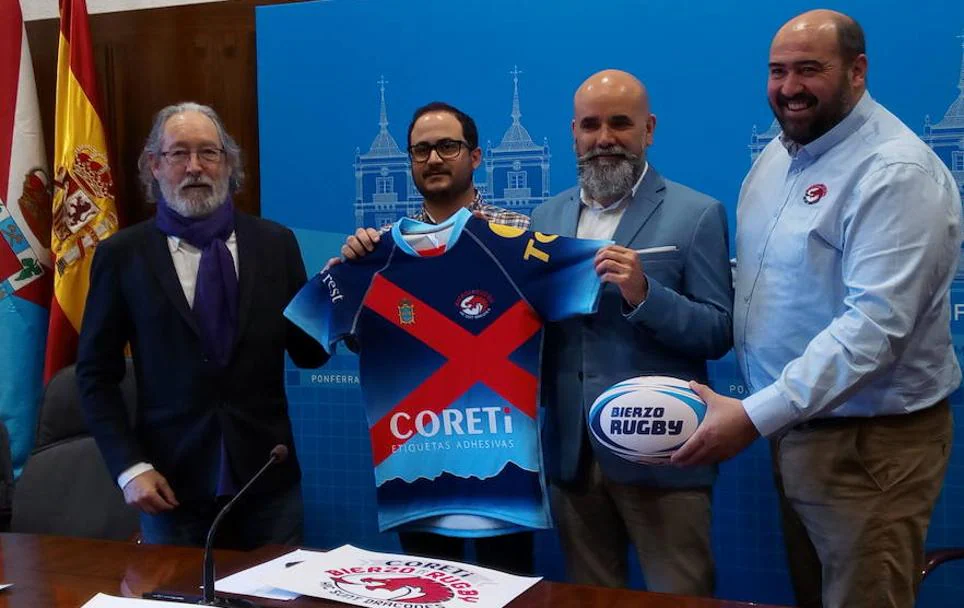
x=646, y=419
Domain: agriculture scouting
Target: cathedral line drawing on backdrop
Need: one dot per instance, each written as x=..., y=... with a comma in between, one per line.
x=516, y=170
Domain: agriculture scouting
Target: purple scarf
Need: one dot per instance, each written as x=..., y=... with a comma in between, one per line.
x=216, y=291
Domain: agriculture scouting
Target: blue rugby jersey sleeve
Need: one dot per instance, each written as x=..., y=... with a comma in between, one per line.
x=326, y=306
x=555, y=274
x=560, y=279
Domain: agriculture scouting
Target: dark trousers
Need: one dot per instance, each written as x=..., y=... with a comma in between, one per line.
x=256, y=520
x=507, y=552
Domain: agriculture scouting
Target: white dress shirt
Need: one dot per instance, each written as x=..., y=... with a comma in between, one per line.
x=187, y=260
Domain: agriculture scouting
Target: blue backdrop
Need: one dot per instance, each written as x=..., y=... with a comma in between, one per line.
x=337, y=84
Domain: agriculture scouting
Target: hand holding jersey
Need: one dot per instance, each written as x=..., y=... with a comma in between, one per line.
x=359, y=244
x=621, y=267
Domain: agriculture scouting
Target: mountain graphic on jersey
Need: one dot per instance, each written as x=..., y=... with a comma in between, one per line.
x=447, y=320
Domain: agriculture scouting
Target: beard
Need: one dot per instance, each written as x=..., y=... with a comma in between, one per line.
x=188, y=200
x=606, y=179
x=458, y=184
x=806, y=130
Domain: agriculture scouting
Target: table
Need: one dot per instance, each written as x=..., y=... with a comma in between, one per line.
x=60, y=572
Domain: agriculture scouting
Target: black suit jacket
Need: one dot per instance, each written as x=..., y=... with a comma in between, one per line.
x=184, y=402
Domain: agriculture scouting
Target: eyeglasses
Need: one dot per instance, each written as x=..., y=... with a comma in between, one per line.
x=179, y=157
x=446, y=148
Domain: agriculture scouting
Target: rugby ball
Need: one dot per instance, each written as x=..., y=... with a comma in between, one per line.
x=646, y=419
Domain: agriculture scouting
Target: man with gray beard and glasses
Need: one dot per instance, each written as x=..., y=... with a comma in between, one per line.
x=665, y=310
x=197, y=293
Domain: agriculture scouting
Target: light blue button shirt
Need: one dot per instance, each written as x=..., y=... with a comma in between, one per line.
x=846, y=249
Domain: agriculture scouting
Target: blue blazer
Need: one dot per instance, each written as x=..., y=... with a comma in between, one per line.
x=685, y=320
x=185, y=403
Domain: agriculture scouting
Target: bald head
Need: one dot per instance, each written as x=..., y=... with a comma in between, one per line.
x=612, y=86
x=612, y=127
x=829, y=28
x=817, y=73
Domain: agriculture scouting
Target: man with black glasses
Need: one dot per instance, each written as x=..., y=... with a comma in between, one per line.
x=443, y=145
x=198, y=293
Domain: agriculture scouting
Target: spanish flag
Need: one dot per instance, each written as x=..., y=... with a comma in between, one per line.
x=84, y=212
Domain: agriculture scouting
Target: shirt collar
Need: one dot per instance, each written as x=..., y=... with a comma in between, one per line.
x=841, y=131
x=591, y=204
x=174, y=243
x=477, y=204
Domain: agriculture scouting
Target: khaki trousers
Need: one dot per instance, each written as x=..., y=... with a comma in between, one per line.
x=670, y=529
x=856, y=497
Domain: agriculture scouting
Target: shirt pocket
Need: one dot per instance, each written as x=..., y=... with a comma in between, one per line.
x=789, y=238
x=666, y=253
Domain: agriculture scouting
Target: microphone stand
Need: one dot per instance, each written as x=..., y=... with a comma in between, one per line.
x=208, y=597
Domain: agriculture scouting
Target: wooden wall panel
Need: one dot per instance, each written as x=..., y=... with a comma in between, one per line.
x=151, y=58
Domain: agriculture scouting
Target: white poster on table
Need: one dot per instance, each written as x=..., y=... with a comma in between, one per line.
x=364, y=578
x=102, y=600
x=251, y=581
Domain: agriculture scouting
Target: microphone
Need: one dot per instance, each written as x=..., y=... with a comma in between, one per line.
x=278, y=455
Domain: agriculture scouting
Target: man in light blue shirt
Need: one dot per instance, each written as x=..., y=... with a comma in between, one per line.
x=848, y=236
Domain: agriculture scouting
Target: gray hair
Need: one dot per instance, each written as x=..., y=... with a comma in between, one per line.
x=153, y=148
